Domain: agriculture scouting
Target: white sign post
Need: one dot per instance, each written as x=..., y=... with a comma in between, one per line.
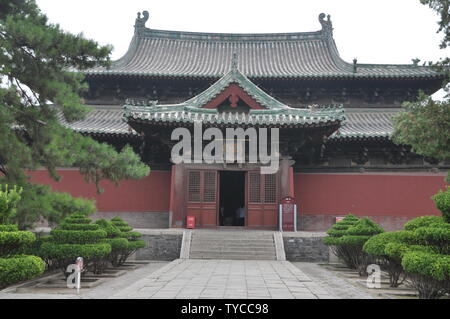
x=75, y=273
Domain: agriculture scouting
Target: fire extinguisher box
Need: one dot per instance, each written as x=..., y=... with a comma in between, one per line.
x=190, y=222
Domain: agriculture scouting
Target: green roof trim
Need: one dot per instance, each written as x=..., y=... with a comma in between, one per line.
x=275, y=113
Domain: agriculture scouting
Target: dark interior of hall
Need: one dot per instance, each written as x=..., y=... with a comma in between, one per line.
x=232, y=198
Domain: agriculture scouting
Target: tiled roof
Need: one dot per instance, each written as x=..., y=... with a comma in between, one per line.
x=103, y=121
x=181, y=114
x=359, y=124
x=363, y=124
x=273, y=112
x=235, y=76
x=158, y=53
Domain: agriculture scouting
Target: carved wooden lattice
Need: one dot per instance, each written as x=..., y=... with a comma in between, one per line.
x=194, y=181
x=262, y=188
x=202, y=186
x=270, y=189
x=209, y=187
x=254, y=187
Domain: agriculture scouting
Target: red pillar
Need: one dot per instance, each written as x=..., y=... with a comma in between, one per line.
x=286, y=177
x=177, y=192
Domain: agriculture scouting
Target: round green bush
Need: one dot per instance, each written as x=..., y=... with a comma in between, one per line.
x=354, y=240
x=364, y=227
x=20, y=268
x=8, y=228
x=377, y=244
x=339, y=229
x=119, y=256
x=442, y=201
x=110, y=229
x=77, y=236
x=77, y=219
x=423, y=221
x=436, y=266
x=12, y=242
x=436, y=235
x=62, y=255
x=131, y=235
x=67, y=226
x=136, y=244
x=116, y=243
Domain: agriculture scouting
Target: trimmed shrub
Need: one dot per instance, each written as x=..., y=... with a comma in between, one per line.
x=442, y=201
x=134, y=243
x=423, y=221
x=13, y=266
x=387, y=248
x=12, y=242
x=19, y=268
x=425, y=255
x=76, y=237
x=118, y=244
x=9, y=198
x=349, y=242
x=335, y=234
x=428, y=272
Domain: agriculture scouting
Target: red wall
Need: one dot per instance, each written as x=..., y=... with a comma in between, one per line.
x=368, y=194
x=150, y=194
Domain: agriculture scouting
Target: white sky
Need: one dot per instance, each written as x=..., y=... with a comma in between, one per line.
x=374, y=31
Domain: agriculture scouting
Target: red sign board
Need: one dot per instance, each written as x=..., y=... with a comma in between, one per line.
x=288, y=213
x=190, y=222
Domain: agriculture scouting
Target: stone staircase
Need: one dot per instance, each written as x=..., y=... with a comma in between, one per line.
x=234, y=245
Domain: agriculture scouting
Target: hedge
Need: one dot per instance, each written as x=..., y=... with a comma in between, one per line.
x=72, y=251
x=423, y=221
x=347, y=238
x=12, y=242
x=19, y=268
x=64, y=236
x=385, y=248
x=76, y=237
x=442, y=201
x=120, y=256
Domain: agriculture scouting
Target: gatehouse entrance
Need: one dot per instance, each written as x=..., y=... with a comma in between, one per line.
x=232, y=201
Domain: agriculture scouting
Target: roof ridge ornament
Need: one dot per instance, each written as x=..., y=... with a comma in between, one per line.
x=327, y=25
x=355, y=65
x=140, y=21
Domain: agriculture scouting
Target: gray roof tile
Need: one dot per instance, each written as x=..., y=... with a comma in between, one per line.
x=284, y=55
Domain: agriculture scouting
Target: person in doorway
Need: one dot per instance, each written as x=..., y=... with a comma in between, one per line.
x=222, y=216
x=240, y=216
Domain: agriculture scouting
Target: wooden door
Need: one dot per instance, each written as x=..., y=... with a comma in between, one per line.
x=262, y=194
x=202, y=197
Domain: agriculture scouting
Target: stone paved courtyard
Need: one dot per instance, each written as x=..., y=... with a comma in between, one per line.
x=229, y=279
x=226, y=279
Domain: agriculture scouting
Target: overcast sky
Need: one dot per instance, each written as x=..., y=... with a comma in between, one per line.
x=374, y=31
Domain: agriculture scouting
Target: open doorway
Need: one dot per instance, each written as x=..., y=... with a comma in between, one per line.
x=232, y=210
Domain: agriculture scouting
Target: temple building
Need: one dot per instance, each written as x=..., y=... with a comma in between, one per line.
x=334, y=120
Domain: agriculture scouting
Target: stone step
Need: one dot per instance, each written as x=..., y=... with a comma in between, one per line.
x=229, y=252
x=232, y=244
x=233, y=257
x=232, y=237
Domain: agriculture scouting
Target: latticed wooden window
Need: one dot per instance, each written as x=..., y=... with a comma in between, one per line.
x=194, y=180
x=254, y=190
x=209, y=187
x=270, y=188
